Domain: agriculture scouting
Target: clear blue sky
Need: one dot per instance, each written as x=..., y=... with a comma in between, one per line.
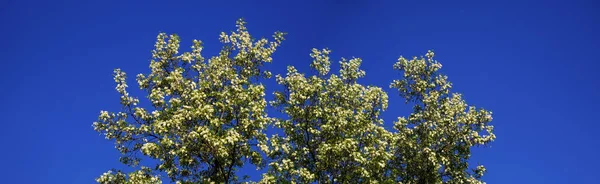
x=532, y=63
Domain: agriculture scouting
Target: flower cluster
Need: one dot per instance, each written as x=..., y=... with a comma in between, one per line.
x=206, y=116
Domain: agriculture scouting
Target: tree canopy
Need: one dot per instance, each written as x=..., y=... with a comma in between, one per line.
x=206, y=118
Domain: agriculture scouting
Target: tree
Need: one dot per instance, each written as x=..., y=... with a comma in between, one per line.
x=209, y=119
x=334, y=133
x=433, y=144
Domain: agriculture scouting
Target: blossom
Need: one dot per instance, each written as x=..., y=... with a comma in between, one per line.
x=206, y=118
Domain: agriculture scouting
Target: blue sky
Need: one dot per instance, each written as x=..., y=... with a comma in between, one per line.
x=532, y=63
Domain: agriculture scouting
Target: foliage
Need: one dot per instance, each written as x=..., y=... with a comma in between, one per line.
x=433, y=144
x=207, y=115
x=207, y=119
x=334, y=133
